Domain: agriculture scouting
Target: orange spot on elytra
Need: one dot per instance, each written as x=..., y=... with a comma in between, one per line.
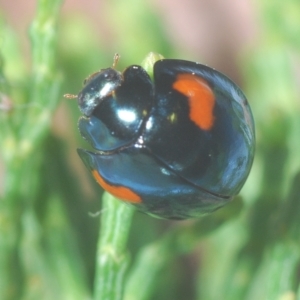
x=120, y=192
x=201, y=99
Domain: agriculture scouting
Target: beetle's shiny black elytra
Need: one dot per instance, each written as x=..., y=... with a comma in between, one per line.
x=176, y=147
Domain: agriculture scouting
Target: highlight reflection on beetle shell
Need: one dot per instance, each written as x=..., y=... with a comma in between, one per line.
x=177, y=147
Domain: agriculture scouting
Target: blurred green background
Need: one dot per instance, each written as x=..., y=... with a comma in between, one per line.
x=50, y=207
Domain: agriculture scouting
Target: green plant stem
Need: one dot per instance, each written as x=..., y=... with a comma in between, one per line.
x=24, y=131
x=112, y=257
x=46, y=80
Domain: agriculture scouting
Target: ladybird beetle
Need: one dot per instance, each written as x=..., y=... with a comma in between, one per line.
x=176, y=146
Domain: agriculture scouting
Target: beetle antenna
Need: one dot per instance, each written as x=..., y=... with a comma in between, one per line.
x=70, y=96
x=116, y=59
